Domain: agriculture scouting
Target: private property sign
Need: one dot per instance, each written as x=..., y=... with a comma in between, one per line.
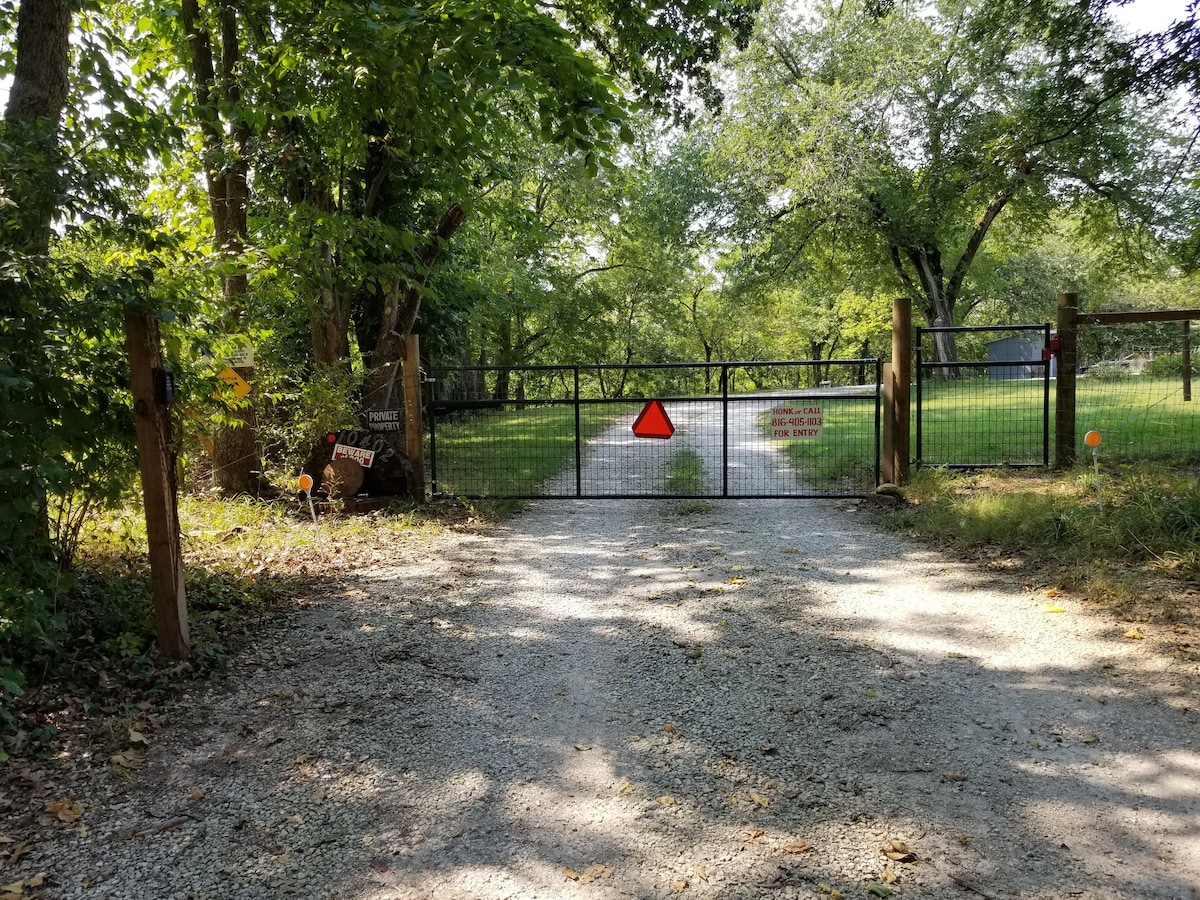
x=797, y=423
x=385, y=419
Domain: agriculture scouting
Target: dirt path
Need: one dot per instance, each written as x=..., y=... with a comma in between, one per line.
x=615, y=700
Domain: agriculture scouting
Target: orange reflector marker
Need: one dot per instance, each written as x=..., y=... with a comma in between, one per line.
x=653, y=422
x=306, y=483
x=1092, y=439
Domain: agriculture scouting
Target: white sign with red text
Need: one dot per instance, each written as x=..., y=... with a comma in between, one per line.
x=797, y=422
x=363, y=457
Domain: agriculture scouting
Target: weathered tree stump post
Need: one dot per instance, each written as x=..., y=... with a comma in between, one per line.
x=150, y=387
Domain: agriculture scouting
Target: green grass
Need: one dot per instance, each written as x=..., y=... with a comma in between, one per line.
x=1139, y=555
x=843, y=458
x=514, y=452
x=981, y=421
x=976, y=420
x=1138, y=417
x=686, y=475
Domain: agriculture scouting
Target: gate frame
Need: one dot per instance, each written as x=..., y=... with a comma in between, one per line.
x=921, y=366
x=435, y=407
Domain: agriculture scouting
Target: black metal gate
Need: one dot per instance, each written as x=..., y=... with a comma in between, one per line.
x=991, y=407
x=800, y=429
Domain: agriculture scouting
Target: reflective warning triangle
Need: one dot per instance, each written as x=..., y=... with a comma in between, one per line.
x=653, y=421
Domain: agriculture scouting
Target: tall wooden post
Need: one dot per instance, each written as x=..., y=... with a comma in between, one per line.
x=157, y=462
x=900, y=408
x=1064, y=392
x=1187, y=360
x=414, y=439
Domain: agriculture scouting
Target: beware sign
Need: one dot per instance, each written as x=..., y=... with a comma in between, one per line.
x=653, y=422
x=360, y=455
x=789, y=423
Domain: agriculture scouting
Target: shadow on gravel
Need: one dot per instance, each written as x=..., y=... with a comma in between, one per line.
x=731, y=706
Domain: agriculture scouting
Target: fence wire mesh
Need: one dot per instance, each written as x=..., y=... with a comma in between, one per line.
x=988, y=408
x=780, y=429
x=1133, y=389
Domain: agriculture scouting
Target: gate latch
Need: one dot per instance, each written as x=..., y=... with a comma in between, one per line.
x=1052, y=350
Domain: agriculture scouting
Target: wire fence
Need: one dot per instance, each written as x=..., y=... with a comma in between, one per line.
x=1133, y=389
x=778, y=429
x=989, y=408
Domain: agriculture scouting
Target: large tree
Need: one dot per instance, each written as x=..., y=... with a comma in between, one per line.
x=921, y=125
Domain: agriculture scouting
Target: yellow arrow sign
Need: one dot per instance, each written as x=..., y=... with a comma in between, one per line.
x=241, y=387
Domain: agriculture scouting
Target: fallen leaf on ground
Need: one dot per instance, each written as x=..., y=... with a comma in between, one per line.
x=679, y=885
x=879, y=889
x=197, y=794
x=953, y=776
x=700, y=872
x=953, y=655
x=379, y=866
x=594, y=872
x=1051, y=608
x=666, y=800
x=129, y=759
x=626, y=788
x=1134, y=634
x=797, y=847
x=888, y=876
x=758, y=799
x=754, y=833
x=65, y=810
x=20, y=850
x=136, y=737
x=898, y=851
x=582, y=747
x=570, y=873
x=735, y=580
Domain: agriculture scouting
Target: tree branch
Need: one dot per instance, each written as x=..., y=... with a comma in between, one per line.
x=973, y=243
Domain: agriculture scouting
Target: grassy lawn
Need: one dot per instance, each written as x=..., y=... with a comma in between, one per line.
x=513, y=452
x=1139, y=418
x=980, y=421
x=1139, y=557
x=976, y=420
x=842, y=459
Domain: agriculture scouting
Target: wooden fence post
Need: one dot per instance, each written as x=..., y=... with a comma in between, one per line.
x=901, y=384
x=887, y=462
x=1186, y=352
x=156, y=460
x=1064, y=391
x=414, y=439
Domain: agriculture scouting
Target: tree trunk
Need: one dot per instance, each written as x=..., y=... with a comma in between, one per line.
x=400, y=311
x=35, y=107
x=236, y=464
x=32, y=161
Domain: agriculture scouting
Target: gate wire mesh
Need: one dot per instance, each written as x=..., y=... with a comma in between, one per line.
x=1133, y=390
x=566, y=431
x=992, y=406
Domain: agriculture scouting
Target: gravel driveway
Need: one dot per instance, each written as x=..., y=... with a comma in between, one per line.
x=635, y=699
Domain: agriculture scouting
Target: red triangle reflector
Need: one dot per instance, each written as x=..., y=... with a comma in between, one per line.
x=653, y=421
